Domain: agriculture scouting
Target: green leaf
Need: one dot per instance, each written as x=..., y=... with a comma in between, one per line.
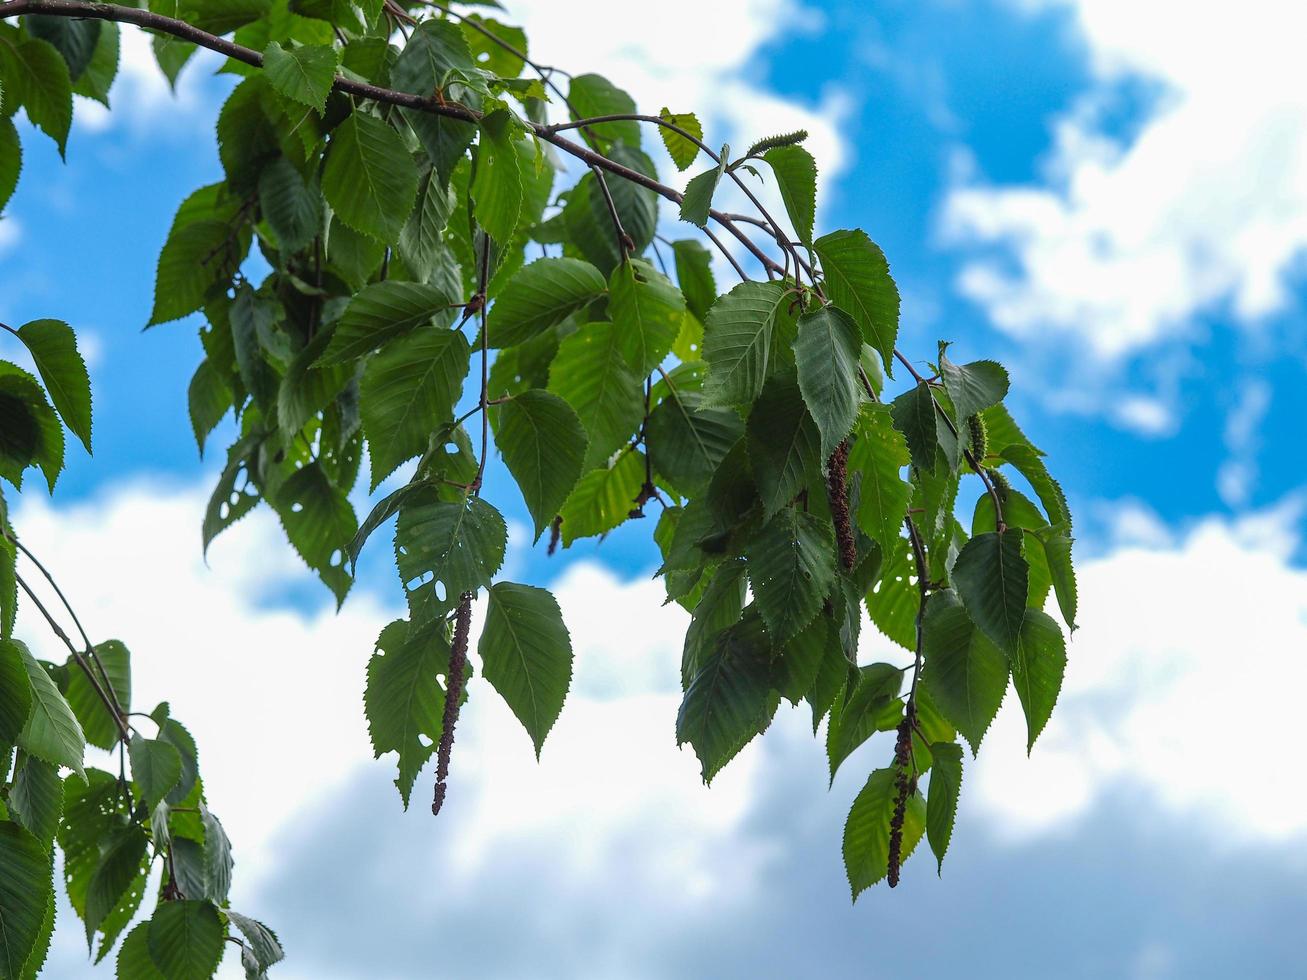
x=156, y=769
x=539, y=296
x=696, y=203
x=381, y=312
x=319, y=523
x=25, y=887
x=872, y=706
x=52, y=732
x=719, y=608
x=1037, y=670
x=403, y=700
x=435, y=56
x=826, y=354
x=421, y=244
x=36, y=798
x=304, y=73
x=687, y=442
x=942, y=806
x=8, y=613
x=208, y=401
x=857, y=280
x=119, y=866
x=737, y=342
x=74, y=39
x=544, y=444
x=385, y=509
x=134, y=961
x=291, y=205
x=783, y=443
x=590, y=373
x=11, y=161
x=965, y=673
x=914, y=415
x=1057, y=551
x=726, y=704
x=228, y=504
x=867, y=829
x=527, y=655
x=408, y=391
x=38, y=78
x=602, y=499
x=972, y=387
x=185, y=939
x=876, y=459
x=262, y=947
x=992, y=577
x=1029, y=464
x=694, y=276
x=798, y=664
x=682, y=150
x=97, y=723
x=54, y=350
x=15, y=692
x=30, y=434
x=194, y=258
x=369, y=177
x=594, y=95
x=646, y=311
x=491, y=56
x=792, y=568
x=796, y=176
x=460, y=545
x=175, y=734
x=96, y=81
x=589, y=222
x=497, y=182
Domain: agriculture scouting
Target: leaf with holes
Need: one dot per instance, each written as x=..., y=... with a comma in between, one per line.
x=403, y=700
x=460, y=545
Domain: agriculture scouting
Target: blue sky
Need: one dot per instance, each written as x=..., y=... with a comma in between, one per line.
x=1045, y=178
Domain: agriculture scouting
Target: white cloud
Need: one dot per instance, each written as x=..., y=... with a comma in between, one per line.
x=1125, y=241
x=1183, y=681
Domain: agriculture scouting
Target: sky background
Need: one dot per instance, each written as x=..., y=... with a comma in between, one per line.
x=1080, y=188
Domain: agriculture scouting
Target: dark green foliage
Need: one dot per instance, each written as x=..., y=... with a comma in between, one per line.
x=429, y=291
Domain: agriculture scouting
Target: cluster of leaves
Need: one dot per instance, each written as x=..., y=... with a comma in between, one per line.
x=112, y=829
x=392, y=178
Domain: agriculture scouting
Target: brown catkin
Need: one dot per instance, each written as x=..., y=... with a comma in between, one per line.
x=453, y=695
x=837, y=485
x=906, y=786
x=555, y=532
